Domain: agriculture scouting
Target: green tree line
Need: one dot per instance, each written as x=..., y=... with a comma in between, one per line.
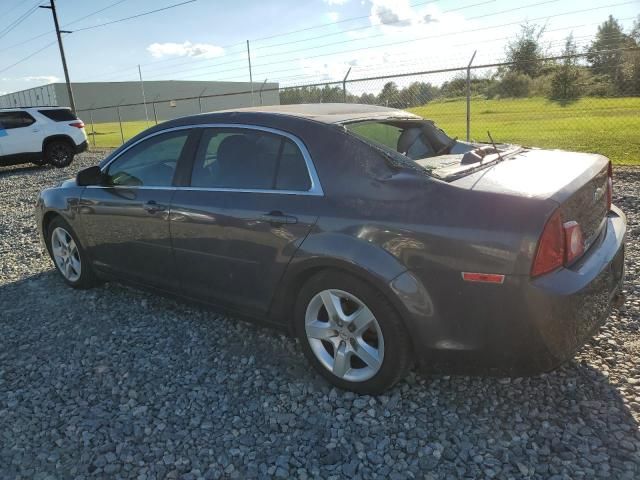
x=609, y=66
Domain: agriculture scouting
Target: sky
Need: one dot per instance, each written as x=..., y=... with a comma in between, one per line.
x=293, y=42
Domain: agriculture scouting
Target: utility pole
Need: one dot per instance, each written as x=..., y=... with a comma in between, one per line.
x=59, y=33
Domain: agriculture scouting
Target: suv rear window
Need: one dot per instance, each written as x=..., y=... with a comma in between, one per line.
x=59, y=115
x=9, y=120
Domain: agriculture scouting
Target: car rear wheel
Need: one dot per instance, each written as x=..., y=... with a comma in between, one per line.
x=351, y=334
x=68, y=255
x=59, y=153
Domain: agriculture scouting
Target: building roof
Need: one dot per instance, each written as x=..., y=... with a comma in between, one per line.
x=331, y=112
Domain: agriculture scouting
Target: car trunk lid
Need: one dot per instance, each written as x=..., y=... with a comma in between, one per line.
x=577, y=182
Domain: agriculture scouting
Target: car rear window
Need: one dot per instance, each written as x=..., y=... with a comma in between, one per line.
x=59, y=115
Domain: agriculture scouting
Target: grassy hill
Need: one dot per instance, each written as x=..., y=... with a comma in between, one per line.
x=610, y=126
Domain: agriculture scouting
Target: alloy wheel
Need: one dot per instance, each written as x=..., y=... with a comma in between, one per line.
x=344, y=335
x=66, y=254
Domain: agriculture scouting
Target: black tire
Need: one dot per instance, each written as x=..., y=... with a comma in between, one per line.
x=87, y=277
x=396, y=357
x=59, y=153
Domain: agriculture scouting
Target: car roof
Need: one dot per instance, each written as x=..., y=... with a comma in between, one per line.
x=330, y=112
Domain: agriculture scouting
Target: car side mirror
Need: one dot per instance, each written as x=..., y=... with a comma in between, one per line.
x=89, y=176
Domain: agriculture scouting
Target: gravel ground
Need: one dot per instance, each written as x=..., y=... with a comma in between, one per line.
x=117, y=383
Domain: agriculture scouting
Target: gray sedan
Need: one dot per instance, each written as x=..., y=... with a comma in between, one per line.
x=367, y=232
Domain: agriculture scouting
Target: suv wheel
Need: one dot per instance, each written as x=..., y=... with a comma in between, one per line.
x=351, y=334
x=59, y=153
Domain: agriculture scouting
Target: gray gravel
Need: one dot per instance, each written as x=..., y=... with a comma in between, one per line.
x=116, y=383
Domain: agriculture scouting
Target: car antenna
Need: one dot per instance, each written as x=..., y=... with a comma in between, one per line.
x=494, y=146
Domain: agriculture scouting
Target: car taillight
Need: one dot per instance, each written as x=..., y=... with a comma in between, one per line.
x=574, y=241
x=78, y=124
x=609, y=186
x=560, y=244
x=550, y=253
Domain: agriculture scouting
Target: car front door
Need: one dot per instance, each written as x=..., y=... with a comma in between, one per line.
x=19, y=133
x=252, y=198
x=126, y=218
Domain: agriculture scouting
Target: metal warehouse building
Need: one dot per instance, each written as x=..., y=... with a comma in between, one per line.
x=162, y=98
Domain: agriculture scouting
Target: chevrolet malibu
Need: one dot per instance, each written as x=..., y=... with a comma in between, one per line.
x=367, y=232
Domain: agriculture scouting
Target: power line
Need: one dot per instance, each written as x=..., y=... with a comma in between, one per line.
x=134, y=16
x=399, y=20
x=28, y=56
x=491, y=27
x=65, y=25
x=18, y=21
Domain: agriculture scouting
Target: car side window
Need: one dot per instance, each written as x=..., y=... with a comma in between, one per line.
x=10, y=120
x=150, y=163
x=247, y=159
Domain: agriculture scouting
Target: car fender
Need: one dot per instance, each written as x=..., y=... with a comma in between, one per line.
x=59, y=136
x=344, y=252
x=62, y=202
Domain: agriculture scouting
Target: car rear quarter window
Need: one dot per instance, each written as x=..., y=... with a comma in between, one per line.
x=150, y=163
x=247, y=159
x=10, y=120
x=59, y=114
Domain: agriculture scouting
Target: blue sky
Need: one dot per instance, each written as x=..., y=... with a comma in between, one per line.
x=205, y=40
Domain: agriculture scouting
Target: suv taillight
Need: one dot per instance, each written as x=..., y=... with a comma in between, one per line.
x=78, y=124
x=560, y=244
x=609, y=186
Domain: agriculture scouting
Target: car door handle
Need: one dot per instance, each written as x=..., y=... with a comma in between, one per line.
x=278, y=218
x=152, y=207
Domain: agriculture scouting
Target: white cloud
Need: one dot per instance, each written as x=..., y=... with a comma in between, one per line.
x=333, y=16
x=335, y=2
x=42, y=79
x=185, y=49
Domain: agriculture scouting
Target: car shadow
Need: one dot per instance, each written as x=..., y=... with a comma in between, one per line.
x=12, y=170
x=88, y=341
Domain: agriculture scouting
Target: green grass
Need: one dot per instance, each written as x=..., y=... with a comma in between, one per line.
x=610, y=126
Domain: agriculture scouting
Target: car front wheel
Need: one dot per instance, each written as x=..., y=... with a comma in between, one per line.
x=351, y=334
x=68, y=255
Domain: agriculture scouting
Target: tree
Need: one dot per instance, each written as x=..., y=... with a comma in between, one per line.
x=566, y=79
x=525, y=52
x=389, y=96
x=606, y=52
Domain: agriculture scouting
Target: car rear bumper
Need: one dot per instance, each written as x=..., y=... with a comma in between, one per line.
x=523, y=326
x=83, y=147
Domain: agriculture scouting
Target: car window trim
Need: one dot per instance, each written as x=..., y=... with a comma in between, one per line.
x=185, y=154
x=315, y=190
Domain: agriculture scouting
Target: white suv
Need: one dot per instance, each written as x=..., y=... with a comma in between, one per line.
x=40, y=135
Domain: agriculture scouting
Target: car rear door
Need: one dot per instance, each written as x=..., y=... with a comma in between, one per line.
x=126, y=219
x=252, y=198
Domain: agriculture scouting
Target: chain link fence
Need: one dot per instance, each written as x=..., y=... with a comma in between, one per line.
x=568, y=104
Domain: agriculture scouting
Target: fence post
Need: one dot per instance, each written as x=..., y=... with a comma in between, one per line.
x=155, y=114
x=250, y=71
x=344, y=86
x=262, y=88
x=93, y=130
x=469, y=95
x=120, y=122
x=199, y=100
